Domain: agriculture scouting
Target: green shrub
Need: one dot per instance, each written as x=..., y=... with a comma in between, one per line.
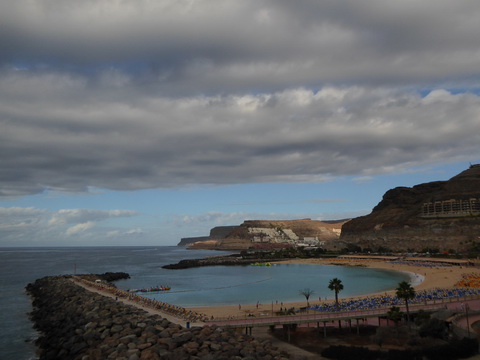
x=456, y=349
x=341, y=352
x=465, y=347
x=435, y=328
x=404, y=354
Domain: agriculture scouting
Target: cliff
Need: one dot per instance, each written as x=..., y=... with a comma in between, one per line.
x=216, y=233
x=190, y=240
x=271, y=234
x=440, y=216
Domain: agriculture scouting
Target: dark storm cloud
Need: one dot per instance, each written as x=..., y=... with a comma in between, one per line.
x=187, y=47
x=141, y=94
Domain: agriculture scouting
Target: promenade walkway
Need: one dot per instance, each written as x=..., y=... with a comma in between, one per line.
x=324, y=317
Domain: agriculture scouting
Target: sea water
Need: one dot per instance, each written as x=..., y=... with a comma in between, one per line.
x=212, y=285
x=281, y=283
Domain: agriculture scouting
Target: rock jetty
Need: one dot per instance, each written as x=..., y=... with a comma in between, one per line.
x=81, y=325
x=108, y=277
x=211, y=261
x=228, y=260
x=248, y=258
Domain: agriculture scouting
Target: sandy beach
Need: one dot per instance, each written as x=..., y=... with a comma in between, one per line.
x=423, y=277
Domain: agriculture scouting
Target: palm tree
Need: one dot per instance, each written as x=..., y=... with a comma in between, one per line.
x=395, y=315
x=307, y=292
x=406, y=292
x=337, y=286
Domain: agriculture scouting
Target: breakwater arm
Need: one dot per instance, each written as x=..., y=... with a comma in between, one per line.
x=247, y=258
x=79, y=324
x=108, y=277
x=229, y=260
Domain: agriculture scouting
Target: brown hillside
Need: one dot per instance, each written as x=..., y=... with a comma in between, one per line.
x=440, y=215
x=241, y=238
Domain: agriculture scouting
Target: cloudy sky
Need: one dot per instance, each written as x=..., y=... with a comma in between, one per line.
x=140, y=122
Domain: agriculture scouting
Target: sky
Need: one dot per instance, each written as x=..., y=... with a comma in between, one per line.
x=141, y=122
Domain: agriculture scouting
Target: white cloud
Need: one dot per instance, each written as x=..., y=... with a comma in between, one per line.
x=362, y=179
x=69, y=216
x=211, y=219
x=79, y=228
x=17, y=219
x=134, y=231
x=16, y=211
x=22, y=226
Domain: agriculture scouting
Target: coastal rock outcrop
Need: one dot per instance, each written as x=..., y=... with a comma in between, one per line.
x=210, y=261
x=216, y=233
x=227, y=260
x=439, y=216
x=190, y=240
x=108, y=277
x=273, y=234
x=78, y=324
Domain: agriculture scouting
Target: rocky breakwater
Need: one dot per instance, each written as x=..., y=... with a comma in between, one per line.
x=78, y=324
x=228, y=260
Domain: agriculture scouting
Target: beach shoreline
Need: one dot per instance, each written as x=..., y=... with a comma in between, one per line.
x=423, y=278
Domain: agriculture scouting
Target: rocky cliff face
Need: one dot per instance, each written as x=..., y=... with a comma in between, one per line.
x=441, y=215
x=216, y=233
x=190, y=240
x=269, y=234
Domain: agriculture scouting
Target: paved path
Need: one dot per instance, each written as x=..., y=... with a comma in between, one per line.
x=452, y=304
x=151, y=311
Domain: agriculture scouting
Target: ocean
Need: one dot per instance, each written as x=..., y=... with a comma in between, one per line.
x=217, y=285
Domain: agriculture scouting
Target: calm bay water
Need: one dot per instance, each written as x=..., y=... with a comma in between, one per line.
x=199, y=286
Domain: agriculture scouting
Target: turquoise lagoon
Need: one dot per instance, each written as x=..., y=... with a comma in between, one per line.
x=230, y=285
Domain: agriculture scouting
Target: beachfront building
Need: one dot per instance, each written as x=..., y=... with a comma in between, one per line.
x=452, y=208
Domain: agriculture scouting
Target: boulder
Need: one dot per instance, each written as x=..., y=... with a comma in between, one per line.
x=78, y=324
